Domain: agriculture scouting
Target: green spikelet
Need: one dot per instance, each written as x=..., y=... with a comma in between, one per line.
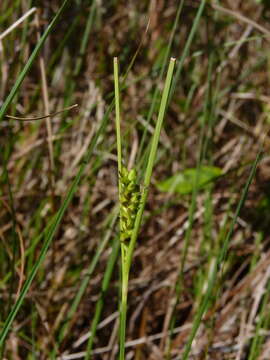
x=129, y=202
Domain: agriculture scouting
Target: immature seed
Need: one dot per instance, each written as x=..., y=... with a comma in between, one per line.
x=129, y=202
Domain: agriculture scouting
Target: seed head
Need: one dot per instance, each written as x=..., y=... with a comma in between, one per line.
x=129, y=202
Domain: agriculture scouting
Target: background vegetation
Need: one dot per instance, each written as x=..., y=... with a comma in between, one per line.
x=202, y=255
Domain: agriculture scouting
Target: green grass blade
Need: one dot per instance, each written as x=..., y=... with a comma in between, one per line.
x=31, y=60
x=187, y=47
x=219, y=260
x=162, y=71
x=11, y=96
x=192, y=208
x=85, y=282
x=117, y=113
x=100, y=303
x=29, y=250
x=52, y=230
x=152, y=156
x=182, y=59
x=86, y=35
x=262, y=324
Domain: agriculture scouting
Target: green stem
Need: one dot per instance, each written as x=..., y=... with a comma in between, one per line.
x=123, y=309
x=117, y=115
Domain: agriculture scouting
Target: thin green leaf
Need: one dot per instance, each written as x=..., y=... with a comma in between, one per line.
x=52, y=230
x=31, y=60
x=219, y=261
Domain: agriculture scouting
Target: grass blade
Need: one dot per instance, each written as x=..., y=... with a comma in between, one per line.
x=100, y=303
x=52, y=230
x=219, y=260
x=85, y=282
x=152, y=156
x=162, y=71
x=31, y=60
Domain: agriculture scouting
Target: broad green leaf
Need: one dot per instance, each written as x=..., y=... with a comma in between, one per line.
x=184, y=182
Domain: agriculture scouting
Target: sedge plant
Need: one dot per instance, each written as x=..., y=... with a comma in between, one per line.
x=132, y=197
